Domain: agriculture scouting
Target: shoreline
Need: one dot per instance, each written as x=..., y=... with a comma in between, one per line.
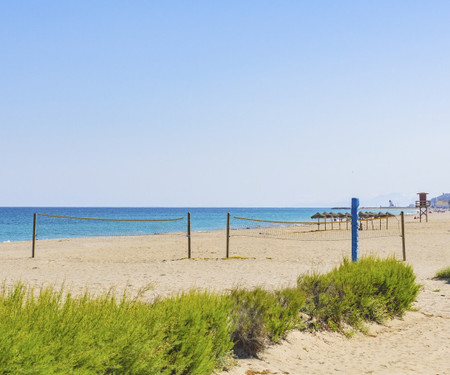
x=16, y=223
x=289, y=224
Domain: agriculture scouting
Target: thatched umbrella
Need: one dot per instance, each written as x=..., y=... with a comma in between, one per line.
x=368, y=217
x=326, y=215
x=318, y=216
x=380, y=215
x=388, y=215
x=348, y=217
x=340, y=215
x=362, y=216
x=372, y=215
x=333, y=217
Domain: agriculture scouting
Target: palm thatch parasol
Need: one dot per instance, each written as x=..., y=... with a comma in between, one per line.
x=332, y=216
x=388, y=215
x=362, y=216
x=340, y=215
x=371, y=215
x=326, y=215
x=380, y=215
x=348, y=217
x=318, y=216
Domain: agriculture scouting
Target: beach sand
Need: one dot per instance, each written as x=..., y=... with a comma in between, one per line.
x=417, y=344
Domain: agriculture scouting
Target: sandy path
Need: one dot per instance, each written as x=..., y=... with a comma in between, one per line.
x=417, y=344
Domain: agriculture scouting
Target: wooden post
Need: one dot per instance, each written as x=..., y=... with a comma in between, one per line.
x=34, y=236
x=402, y=215
x=228, y=235
x=189, y=234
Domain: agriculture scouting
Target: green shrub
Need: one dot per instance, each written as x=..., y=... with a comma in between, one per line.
x=51, y=332
x=443, y=274
x=371, y=289
x=250, y=333
x=197, y=330
x=262, y=315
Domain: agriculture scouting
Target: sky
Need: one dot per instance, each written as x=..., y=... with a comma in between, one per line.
x=223, y=103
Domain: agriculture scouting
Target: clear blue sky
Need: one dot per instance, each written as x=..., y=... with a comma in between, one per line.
x=231, y=103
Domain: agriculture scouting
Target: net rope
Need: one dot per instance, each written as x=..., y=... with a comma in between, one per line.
x=339, y=230
x=90, y=231
x=107, y=219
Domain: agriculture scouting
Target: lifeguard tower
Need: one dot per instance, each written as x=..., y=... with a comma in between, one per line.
x=422, y=204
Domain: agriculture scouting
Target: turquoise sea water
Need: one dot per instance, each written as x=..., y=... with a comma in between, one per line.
x=16, y=223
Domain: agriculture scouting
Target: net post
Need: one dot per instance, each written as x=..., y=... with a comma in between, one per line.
x=402, y=215
x=355, y=234
x=33, y=243
x=189, y=234
x=228, y=235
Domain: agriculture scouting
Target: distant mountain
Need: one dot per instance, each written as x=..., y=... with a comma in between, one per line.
x=441, y=200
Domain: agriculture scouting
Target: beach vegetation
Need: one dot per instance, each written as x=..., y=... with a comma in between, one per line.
x=443, y=274
x=50, y=331
x=368, y=290
x=263, y=316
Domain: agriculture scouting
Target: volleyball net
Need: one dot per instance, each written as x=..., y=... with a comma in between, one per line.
x=322, y=227
x=49, y=226
x=329, y=227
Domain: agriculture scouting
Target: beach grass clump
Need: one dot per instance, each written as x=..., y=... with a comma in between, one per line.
x=443, y=274
x=368, y=290
x=262, y=316
x=52, y=332
x=197, y=328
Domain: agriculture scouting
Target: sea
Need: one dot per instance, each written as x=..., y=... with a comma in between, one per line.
x=16, y=223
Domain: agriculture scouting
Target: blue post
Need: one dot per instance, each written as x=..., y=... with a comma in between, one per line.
x=355, y=242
